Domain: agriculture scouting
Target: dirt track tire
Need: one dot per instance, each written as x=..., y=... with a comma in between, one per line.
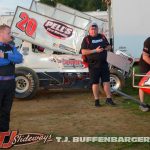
x=27, y=83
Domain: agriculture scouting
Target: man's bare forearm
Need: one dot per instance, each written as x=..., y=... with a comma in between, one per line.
x=88, y=51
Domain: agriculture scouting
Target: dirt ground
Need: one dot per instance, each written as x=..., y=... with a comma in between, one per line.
x=71, y=113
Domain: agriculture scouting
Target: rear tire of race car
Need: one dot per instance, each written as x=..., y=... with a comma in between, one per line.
x=27, y=83
x=117, y=81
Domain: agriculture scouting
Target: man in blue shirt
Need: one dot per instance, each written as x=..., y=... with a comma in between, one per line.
x=9, y=56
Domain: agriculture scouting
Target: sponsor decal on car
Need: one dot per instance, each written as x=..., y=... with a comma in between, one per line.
x=58, y=29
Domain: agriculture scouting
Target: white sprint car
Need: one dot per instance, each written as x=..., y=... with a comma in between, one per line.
x=43, y=69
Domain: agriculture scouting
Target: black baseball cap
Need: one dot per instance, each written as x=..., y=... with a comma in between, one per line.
x=93, y=24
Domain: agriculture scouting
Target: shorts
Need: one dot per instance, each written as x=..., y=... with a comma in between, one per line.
x=99, y=73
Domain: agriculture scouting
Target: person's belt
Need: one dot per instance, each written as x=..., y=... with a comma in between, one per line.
x=2, y=78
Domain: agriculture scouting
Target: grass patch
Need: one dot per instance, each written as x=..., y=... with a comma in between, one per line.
x=122, y=146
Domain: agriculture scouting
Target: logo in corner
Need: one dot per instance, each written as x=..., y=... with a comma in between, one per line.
x=13, y=138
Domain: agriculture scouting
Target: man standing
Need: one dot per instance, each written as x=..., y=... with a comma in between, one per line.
x=9, y=56
x=94, y=47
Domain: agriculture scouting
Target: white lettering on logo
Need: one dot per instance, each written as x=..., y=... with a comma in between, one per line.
x=58, y=29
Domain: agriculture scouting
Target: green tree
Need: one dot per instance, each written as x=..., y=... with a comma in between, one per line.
x=81, y=5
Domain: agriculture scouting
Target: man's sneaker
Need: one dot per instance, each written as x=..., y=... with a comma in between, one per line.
x=97, y=104
x=144, y=108
x=109, y=101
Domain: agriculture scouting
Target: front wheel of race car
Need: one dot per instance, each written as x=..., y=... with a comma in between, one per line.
x=27, y=83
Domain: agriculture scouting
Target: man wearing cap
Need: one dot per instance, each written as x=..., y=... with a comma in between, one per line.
x=94, y=47
x=9, y=56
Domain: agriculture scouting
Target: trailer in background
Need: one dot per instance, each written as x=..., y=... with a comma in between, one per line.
x=130, y=25
x=6, y=19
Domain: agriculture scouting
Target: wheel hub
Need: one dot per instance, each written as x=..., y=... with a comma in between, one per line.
x=22, y=84
x=114, y=82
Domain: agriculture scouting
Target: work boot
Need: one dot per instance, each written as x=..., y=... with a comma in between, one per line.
x=109, y=101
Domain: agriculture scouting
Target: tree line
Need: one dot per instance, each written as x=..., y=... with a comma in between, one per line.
x=81, y=5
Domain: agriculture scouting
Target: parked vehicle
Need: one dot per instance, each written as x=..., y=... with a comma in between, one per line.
x=51, y=55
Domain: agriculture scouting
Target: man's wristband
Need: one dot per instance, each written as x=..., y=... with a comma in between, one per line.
x=94, y=51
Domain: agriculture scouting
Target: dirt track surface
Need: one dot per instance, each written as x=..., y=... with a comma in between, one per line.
x=72, y=113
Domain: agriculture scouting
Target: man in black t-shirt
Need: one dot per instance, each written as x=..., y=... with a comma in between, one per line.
x=144, y=68
x=94, y=47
